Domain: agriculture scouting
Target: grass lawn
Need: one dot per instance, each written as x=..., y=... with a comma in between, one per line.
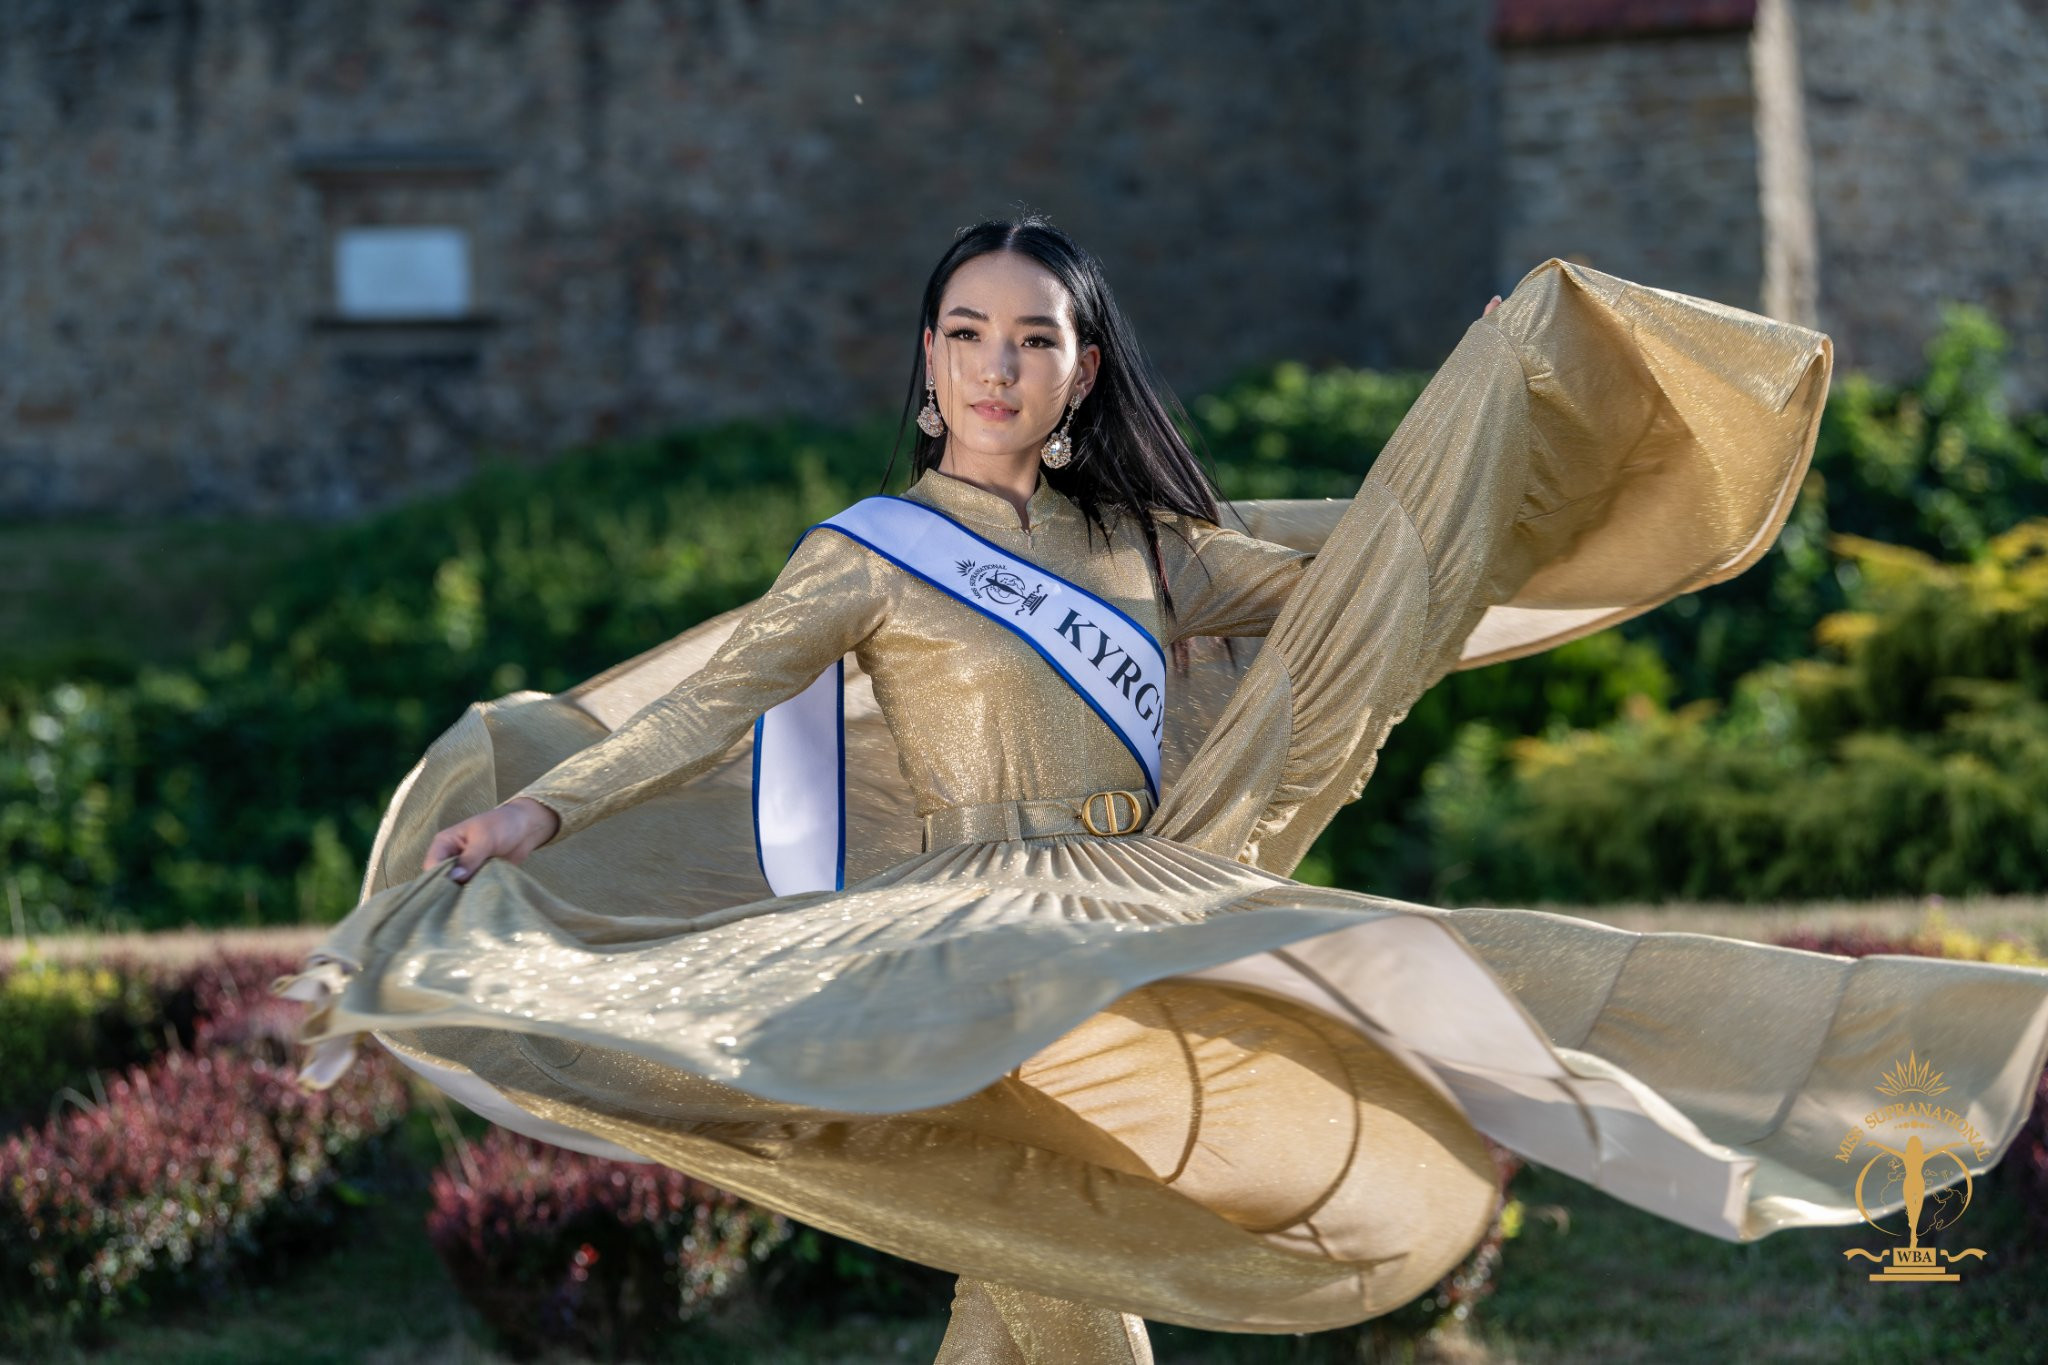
x=1593, y=1279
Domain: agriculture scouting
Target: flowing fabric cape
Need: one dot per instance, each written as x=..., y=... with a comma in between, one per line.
x=1592, y=449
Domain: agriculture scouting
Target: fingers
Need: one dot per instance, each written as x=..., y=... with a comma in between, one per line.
x=464, y=844
x=508, y=832
x=446, y=845
x=1491, y=305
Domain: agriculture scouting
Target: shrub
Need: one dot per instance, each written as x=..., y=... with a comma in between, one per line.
x=1937, y=465
x=60, y=1021
x=194, y=1160
x=67, y=760
x=1908, y=761
x=1858, y=943
x=269, y=760
x=1288, y=432
x=224, y=1003
x=1936, y=937
x=558, y=1249
x=67, y=1022
x=1382, y=842
x=2028, y=1159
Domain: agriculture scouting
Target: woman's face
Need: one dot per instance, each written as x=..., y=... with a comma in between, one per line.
x=1005, y=359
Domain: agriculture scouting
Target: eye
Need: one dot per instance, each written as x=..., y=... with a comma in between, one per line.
x=962, y=334
x=1047, y=342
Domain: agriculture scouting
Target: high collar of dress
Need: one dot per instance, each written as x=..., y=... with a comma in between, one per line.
x=961, y=499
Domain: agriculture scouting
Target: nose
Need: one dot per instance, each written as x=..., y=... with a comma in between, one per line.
x=999, y=365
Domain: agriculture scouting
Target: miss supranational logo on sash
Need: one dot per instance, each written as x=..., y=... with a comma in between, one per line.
x=997, y=584
x=1112, y=663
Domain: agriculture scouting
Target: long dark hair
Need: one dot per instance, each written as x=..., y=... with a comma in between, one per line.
x=1130, y=459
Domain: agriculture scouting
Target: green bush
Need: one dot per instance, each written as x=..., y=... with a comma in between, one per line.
x=61, y=1021
x=1288, y=432
x=1380, y=842
x=1910, y=761
x=245, y=786
x=1938, y=466
x=67, y=764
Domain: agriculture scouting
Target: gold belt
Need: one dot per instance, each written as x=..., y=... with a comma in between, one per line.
x=1100, y=813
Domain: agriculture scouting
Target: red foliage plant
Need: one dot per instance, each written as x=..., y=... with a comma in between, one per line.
x=1858, y=943
x=2028, y=1158
x=190, y=1156
x=556, y=1249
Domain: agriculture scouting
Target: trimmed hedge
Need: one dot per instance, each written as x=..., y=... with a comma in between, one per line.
x=191, y=1166
x=1936, y=937
x=246, y=787
x=1938, y=465
x=2029, y=1158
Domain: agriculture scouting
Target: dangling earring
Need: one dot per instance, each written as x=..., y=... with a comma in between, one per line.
x=1059, y=447
x=928, y=420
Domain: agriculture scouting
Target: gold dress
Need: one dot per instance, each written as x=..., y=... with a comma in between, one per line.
x=1147, y=1074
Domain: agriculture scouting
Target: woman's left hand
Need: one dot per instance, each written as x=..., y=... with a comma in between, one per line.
x=1491, y=305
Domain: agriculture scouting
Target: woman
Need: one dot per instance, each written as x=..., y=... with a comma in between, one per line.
x=1068, y=1029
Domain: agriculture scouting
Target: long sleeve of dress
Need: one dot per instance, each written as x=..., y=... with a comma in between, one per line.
x=1223, y=581
x=823, y=604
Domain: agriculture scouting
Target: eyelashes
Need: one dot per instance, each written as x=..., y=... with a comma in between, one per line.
x=968, y=334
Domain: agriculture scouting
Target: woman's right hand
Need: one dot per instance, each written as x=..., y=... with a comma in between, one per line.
x=510, y=831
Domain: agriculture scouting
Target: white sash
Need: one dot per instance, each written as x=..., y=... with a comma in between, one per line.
x=1111, y=661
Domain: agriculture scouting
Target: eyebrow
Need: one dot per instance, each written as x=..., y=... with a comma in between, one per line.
x=1029, y=320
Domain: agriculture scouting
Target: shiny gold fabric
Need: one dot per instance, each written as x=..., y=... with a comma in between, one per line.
x=1149, y=1074
x=995, y=1324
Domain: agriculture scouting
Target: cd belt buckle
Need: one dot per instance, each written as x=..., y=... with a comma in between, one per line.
x=1112, y=812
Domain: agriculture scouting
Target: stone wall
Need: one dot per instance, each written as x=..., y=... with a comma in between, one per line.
x=679, y=211
x=1636, y=156
x=1928, y=127
x=1429, y=120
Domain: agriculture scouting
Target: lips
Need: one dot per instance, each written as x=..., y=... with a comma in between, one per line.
x=995, y=412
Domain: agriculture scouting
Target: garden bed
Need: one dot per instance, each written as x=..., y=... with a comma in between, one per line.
x=205, y=1209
